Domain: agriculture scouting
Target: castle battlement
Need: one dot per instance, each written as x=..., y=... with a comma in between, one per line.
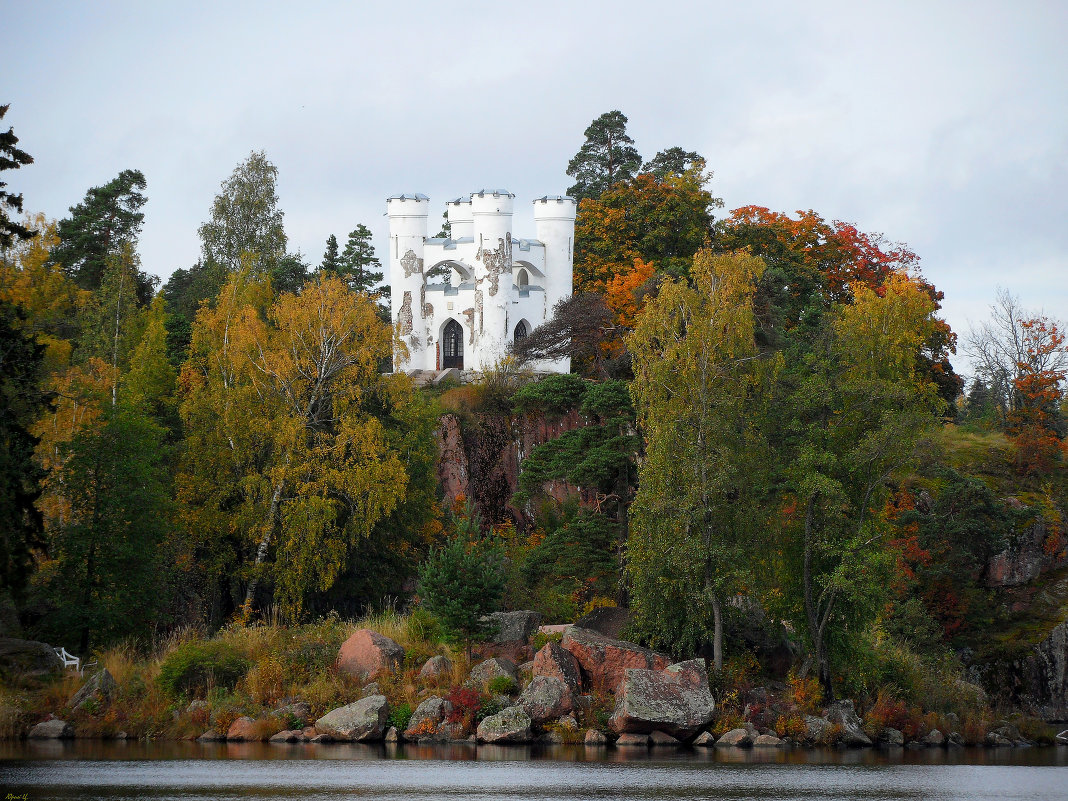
x=459, y=302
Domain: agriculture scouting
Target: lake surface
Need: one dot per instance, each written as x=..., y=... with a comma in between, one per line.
x=86, y=769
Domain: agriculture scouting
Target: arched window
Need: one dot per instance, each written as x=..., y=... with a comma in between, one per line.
x=521, y=331
x=522, y=280
x=452, y=346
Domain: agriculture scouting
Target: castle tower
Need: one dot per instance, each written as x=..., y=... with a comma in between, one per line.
x=491, y=212
x=554, y=222
x=407, y=234
x=460, y=221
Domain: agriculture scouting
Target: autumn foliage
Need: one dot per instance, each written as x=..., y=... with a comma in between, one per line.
x=1032, y=424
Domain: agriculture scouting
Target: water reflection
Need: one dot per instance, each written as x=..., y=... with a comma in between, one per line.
x=192, y=771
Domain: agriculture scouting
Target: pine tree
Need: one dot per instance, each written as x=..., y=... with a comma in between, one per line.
x=108, y=219
x=11, y=158
x=21, y=401
x=330, y=257
x=359, y=267
x=606, y=158
x=462, y=582
x=108, y=569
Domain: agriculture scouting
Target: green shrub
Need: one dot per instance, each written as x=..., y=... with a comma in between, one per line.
x=309, y=659
x=543, y=638
x=554, y=394
x=489, y=707
x=502, y=685
x=199, y=665
x=400, y=715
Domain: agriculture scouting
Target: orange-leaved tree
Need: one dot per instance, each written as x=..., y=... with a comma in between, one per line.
x=1033, y=425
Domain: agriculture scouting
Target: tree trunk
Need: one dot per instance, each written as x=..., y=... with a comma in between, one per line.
x=815, y=630
x=265, y=544
x=87, y=597
x=717, y=634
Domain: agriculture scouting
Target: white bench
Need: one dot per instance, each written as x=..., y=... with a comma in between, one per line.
x=69, y=660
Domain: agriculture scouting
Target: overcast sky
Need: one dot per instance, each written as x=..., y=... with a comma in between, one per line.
x=943, y=125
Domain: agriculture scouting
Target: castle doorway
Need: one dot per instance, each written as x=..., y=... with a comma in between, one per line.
x=452, y=346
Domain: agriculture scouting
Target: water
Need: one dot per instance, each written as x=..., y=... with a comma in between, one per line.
x=191, y=771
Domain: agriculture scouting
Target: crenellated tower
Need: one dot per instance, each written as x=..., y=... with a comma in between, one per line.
x=489, y=287
x=407, y=235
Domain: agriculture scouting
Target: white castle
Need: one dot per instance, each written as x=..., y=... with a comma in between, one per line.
x=492, y=289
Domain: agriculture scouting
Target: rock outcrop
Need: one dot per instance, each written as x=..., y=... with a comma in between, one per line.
x=243, y=730
x=595, y=738
x=484, y=672
x=296, y=713
x=98, y=689
x=546, y=698
x=362, y=721
x=514, y=627
x=1024, y=560
x=367, y=654
x=430, y=721
x=27, y=658
x=1046, y=674
x=558, y=663
x=435, y=668
x=511, y=725
x=735, y=738
x=609, y=621
x=54, y=729
x=604, y=660
x=663, y=740
x=817, y=730
x=844, y=715
x=767, y=741
x=675, y=700
x=891, y=737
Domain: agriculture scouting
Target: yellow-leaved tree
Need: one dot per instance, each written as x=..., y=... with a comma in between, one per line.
x=289, y=462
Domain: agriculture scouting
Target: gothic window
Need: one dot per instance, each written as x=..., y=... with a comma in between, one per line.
x=452, y=346
x=521, y=331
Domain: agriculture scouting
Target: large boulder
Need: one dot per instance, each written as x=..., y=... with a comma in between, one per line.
x=511, y=725
x=595, y=738
x=604, y=660
x=54, y=729
x=556, y=662
x=843, y=714
x=735, y=738
x=436, y=667
x=368, y=653
x=607, y=620
x=430, y=721
x=27, y=658
x=514, y=627
x=360, y=722
x=98, y=689
x=767, y=741
x=288, y=736
x=243, y=730
x=817, y=730
x=294, y=714
x=546, y=698
x=891, y=737
x=675, y=700
x=484, y=672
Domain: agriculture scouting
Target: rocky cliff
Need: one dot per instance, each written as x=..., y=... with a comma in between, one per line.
x=481, y=455
x=1031, y=577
